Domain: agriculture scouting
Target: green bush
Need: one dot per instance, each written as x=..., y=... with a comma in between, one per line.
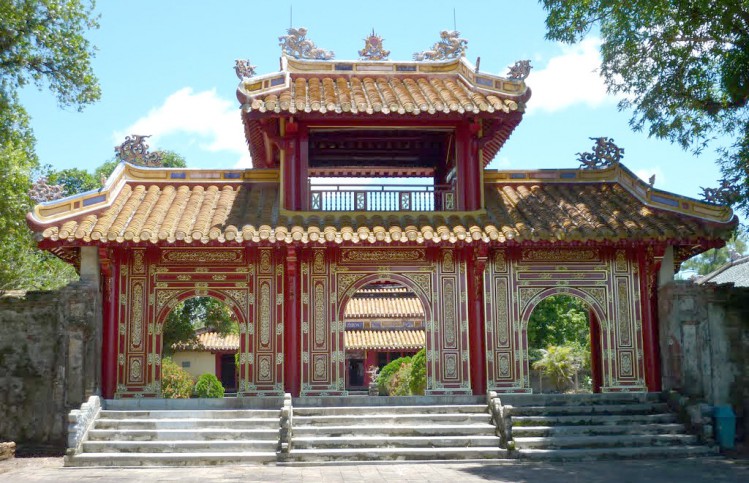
x=398, y=384
x=387, y=372
x=176, y=383
x=208, y=385
x=560, y=364
x=418, y=380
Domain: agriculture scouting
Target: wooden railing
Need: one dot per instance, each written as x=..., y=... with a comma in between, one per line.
x=331, y=197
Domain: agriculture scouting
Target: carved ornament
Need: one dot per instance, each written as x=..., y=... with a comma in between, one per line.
x=135, y=151
x=520, y=70
x=605, y=154
x=450, y=46
x=295, y=44
x=373, y=49
x=244, y=69
x=364, y=255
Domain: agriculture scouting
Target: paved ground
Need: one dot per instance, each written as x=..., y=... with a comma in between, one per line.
x=713, y=470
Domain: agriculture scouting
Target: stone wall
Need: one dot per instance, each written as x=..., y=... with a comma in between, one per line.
x=49, y=362
x=704, y=341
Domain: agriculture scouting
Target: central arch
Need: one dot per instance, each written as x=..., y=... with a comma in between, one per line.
x=401, y=280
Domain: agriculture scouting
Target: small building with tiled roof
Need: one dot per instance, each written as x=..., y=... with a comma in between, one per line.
x=735, y=272
x=288, y=247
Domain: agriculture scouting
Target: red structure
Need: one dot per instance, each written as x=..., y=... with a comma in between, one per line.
x=287, y=251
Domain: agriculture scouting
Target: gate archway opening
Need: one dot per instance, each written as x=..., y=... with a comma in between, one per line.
x=563, y=345
x=201, y=335
x=384, y=322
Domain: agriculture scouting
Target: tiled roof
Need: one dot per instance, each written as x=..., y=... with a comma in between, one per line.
x=736, y=272
x=610, y=206
x=385, y=339
x=361, y=307
x=210, y=341
x=363, y=88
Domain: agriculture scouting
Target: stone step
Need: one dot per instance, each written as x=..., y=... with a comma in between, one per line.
x=399, y=454
x=628, y=440
x=177, y=446
x=301, y=442
x=188, y=414
x=164, y=423
x=170, y=459
x=578, y=399
x=419, y=410
x=539, y=431
x=593, y=419
x=203, y=434
x=395, y=430
x=609, y=409
x=380, y=419
x=616, y=453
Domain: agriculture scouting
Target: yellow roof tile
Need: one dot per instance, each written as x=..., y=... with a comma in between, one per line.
x=385, y=339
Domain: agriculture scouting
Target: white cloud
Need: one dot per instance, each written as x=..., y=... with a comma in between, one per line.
x=569, y=79
x=645, y=174
x=212, y=121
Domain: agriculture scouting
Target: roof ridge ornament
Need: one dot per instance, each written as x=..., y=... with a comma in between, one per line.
x=373, y=49
x=605, y=154
x=520, y=70
x=41, y=191
x=135, y=151
x=450, y=46
x=244, y=69
x=295, y=44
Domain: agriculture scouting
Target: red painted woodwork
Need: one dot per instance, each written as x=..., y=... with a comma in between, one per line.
x=595, y=352
x=476, y=344
x=109, y=331
x=302, y=166
x=369, y=361
x=292, y=351
x=651, y=346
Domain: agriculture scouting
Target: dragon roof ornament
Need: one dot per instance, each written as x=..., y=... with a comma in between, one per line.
x=605, y=154
x=373, y=49
x=41, y=191
x=244, y=69
x=135, y=151
x=450, y=46
x=295, y=44
x=520, y=70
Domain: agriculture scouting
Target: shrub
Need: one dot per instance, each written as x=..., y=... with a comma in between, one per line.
x=398, y=384
x=560, y=364
x=175, y=381
x=418, y=380
x=387, y=372
x=208, y=385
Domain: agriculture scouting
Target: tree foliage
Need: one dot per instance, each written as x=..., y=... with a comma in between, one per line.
x=560, y=364
x=715, y=258
x=41, y=42
x=559, y=320
x=681, y=65
x=176, y=383
x=195, y=313
x=208, y=385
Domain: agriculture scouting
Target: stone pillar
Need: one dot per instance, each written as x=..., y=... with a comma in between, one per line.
x=666, y=273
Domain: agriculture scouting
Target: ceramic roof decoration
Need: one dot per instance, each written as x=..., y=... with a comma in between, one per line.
x=385, y=339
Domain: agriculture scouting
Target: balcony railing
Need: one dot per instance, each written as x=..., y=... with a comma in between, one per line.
x=331, y=197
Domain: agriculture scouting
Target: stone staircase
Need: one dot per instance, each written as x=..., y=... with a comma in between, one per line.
x=431, y=430
x=597, y=426
x=179, y=437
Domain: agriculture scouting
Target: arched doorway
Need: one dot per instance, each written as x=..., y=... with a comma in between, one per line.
x=562, y=338
x=200, y=334
x=384, y=321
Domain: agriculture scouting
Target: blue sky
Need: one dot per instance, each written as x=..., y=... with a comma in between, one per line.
x=166, y=68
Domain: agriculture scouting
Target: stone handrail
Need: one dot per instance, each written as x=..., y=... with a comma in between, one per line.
x=80, y=421
x=501, y=419
x=287, y=424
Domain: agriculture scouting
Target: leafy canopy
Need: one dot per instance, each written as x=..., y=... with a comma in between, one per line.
x=682, y=67
x=195, y=313
x=41, y=42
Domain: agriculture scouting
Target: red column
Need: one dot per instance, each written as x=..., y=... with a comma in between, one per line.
x=476, y=342
x=302, y=166
x=596, y=357
x=370, y=359
x=292, y=353
x=650, y=339
x=109, y=330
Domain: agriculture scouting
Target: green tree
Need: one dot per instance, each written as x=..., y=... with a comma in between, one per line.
x=681, y=65
x=560, y=364
x=176, y=383
x=41, y=42
x=74, y=180
x=195, y=313
x=715, y=258
x=559, y=320
x=208, y=385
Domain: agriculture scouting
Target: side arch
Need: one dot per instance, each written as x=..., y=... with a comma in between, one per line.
x=600, y=343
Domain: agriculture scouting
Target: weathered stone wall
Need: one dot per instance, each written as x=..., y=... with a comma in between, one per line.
x=49, y=362
x=704, y=340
